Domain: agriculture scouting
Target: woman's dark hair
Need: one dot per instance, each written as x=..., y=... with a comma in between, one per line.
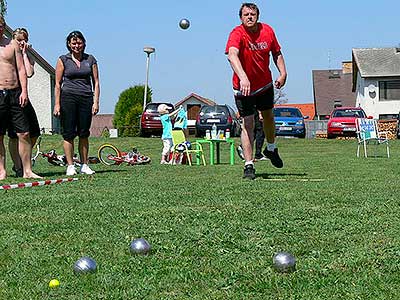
x=75, y=35
x=251, y=6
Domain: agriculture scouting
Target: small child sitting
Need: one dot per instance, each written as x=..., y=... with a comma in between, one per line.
x=166, y=137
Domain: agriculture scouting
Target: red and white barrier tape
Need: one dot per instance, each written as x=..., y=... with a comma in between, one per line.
x=36, y=183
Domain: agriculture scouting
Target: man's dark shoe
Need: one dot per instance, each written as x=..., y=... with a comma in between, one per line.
x=249, y=172
x=18, y=172
x=239, y=151
x=274, y=157
x=258, y=157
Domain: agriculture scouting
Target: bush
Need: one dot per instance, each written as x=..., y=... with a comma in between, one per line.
x=129, y=109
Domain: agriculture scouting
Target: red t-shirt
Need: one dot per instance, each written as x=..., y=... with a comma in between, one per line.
x=254, y=50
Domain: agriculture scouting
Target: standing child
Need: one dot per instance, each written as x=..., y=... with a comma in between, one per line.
x=167, y=130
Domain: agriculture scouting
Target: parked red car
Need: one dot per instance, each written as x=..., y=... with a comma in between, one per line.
x=342, y=121
x=150, y=123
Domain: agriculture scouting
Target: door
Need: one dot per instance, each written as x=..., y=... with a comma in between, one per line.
x=193, y=110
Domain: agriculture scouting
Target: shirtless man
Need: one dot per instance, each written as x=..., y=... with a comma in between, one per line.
x=13, y=98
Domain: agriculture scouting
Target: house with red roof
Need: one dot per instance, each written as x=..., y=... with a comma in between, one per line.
x=192, y=104
x=307, y=109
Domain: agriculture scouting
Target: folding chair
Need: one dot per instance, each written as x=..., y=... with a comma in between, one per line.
x=367, y=132
x=178, y=139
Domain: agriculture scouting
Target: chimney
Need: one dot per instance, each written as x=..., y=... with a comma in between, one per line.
x=347, y=67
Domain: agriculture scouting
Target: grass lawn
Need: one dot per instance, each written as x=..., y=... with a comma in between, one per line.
x=212, y=233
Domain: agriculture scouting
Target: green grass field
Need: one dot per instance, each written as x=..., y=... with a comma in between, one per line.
x=213, y=234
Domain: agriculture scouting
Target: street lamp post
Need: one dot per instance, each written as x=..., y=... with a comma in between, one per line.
x=148, y=51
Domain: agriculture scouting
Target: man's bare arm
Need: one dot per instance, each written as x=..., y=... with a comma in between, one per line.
x=280, y=64
x=233, y=57
x=29, y=65
x=23, y=80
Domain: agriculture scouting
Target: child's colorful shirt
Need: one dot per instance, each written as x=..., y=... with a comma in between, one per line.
x=167, y=126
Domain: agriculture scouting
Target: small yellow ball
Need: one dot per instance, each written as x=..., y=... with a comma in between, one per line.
x=54, y=283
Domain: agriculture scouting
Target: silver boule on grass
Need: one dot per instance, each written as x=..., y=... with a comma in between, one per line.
x=85, y=265
x=284, y=262
x=184, y=24
x=140, y=246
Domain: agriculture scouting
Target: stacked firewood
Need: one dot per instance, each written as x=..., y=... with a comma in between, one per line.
x=390, y=126
x=321, y=134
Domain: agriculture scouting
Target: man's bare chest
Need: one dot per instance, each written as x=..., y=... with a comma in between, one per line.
x=7, y=54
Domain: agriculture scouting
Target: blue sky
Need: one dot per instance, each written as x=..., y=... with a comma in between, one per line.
x=313, y=35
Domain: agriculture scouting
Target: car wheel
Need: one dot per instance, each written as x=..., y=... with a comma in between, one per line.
x=143, y=133
x=330, y=136
x=302, y=136
x=198, y=133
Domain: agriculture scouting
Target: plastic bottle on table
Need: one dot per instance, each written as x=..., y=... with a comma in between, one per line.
x=214, y=132
x=208, y=134
x=220, y=134
x=227, y=133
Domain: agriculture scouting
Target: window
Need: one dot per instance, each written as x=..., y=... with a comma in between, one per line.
x=388, y=116
x=152, y=107
x=287, y=112
x=389, y=90
x=337, y=103
x=349, y=113
x=214, y=110
x=333, y=74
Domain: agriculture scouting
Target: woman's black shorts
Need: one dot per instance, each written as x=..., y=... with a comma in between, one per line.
x=76, y=115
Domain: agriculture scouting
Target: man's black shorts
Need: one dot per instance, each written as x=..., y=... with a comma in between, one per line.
x=11, y=113
x=76, y=115
x=248, y=105
x=30, y=115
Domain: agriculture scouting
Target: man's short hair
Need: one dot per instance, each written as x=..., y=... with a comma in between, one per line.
x=249, y=5
x=22, y=31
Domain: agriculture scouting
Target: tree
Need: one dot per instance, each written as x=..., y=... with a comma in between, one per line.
x=3, y=7
x=128, y=110
x=280, y=96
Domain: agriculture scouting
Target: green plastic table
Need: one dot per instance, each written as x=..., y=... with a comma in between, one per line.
x=215, y=147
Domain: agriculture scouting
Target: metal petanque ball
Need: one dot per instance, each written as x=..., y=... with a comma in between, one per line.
x=85, y=265
x=284, y=262
x=140, y=246
x=184, y=23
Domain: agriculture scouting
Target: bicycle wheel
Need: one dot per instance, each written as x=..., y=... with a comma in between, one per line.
x=108, y=154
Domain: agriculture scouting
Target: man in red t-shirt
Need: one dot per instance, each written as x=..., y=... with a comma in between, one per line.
x=248, y=48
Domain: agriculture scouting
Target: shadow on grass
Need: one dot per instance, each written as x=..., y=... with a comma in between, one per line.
x=282, y=175
x=62, y=173
x=110, y=171
x=375, y=156
x=52, y=174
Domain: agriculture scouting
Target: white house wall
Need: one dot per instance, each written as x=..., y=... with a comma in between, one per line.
x=369, y=101
x=39, y=90
x=360, y=101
